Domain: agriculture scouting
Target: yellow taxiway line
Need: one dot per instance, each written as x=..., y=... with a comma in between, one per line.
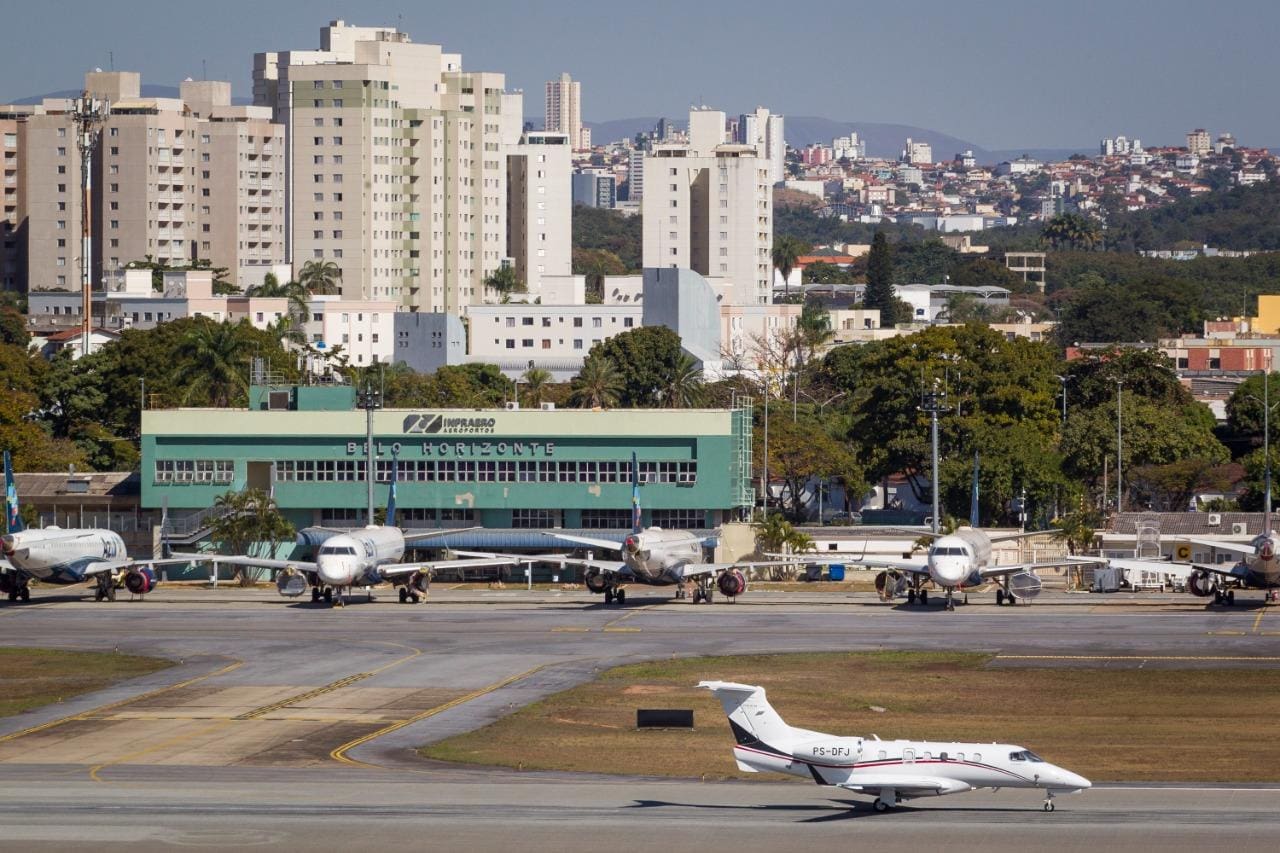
x=328, y=688
x=340, y=753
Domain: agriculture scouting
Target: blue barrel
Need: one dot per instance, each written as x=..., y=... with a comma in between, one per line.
x=836, y=571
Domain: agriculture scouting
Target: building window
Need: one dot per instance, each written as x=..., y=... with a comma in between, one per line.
x=194, y=470
x=535, y=518
x=606, y=519
x=680, y=519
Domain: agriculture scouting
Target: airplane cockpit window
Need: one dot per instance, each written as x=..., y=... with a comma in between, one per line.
x=1025, y=755
x=1017, y=756
x=337, y=550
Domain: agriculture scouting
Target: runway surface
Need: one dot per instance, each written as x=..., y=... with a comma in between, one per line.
x=287, y=725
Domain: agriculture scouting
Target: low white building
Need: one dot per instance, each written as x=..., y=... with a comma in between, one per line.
x=364, y=328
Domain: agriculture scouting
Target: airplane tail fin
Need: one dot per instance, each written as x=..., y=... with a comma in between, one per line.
x=391, y=493
x=636, y=526
x=750, y=715
x=12, y=513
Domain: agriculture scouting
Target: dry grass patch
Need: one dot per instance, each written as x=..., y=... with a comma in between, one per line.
x=1131, y=725
x=30, y=678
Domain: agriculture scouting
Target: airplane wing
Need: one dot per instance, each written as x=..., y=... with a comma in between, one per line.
x=562, y=559
x=1015, y=568
x=102, y=566
x=807, y=559
x=606, y=544
x=238, y=560
x=914, y=567
x=1025, y=534
x=1235, y=547
x=1234, y=571
x=908, y=784
x=392, y=570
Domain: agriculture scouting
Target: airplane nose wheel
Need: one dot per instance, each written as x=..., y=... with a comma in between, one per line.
x=1048, y=802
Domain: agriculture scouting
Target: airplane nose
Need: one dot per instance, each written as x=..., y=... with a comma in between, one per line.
x=1066, y=779
x=1075, y=780
x=334, y=572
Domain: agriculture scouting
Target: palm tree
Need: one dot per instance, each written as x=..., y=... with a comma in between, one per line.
x=535, y=381
x=786, y=251
x=213, y=363
x=250, y=517
x=504, y=280
x=1072, y=231
x=684, y=387
x=320, y=277
x=597, y=385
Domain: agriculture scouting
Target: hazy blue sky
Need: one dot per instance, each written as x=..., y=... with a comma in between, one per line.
x=998, y=73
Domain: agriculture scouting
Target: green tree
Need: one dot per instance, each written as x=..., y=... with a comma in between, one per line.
x=646, y=358
x=801, y=451
x=1171, y=487
x=597, y=385
x=786, y=251
x=595, y=264
x=13, y=327
x=880, y=293
x=250, y=521
x=214, y=364
x=1244, y=408
x=534, y=383
x=505, y=280
x=321, y=277
x=683, y=387
x=1072, y=231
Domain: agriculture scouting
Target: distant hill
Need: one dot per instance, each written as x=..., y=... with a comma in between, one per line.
x=149, y=90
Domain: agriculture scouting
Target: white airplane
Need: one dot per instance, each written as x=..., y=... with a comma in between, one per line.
x=960, y=560
x=1258, y=567
x=653, y=557
x=67, y=556
x=346, y=559
x=892, y=771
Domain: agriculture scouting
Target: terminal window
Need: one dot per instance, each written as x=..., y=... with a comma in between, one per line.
x=194, y=470
x=487, y=471
x=681, y=519
x=535, y=518
x=606, y=519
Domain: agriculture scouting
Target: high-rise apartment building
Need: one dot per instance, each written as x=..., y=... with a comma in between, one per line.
x=1198, y=142
x=917, y=153
x=398, y=164
x=564, y=112
x=635, y=174
x=540, y=208
x=173, y=180
x=766, y=131
x=708, y=206
x=13, y=204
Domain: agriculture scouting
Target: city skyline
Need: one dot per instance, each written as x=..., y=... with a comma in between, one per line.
x=1020, y=76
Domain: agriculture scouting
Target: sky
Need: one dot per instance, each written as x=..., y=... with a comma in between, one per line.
x=997, y=73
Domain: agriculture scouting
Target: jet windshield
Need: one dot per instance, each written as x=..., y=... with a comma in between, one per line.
x=1025, y=755
x=338, y=550
x=949, y=552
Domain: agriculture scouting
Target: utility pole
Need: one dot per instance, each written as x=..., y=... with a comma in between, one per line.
x=935, y=403
x=1064, y=380
x=369, y=401
x=89, y=114
x=1119, y=448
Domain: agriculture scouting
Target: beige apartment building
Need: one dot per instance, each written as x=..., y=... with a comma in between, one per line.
x=398, y=164
x=540, y=208
x=564, y=112
x=174, y=179
x=13, y=224
x=708, y=206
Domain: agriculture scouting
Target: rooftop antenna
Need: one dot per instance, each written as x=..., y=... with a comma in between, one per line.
x=111, y=57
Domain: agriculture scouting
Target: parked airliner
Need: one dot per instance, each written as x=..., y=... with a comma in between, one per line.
x=346, y=559
x=67, y=556
x=892, y=771
x=1258, y=567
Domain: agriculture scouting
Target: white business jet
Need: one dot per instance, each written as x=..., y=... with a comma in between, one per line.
x=66, y=556
x=892, y=771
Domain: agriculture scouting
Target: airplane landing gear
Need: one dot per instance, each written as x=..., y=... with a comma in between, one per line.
x=911, y=596
x=924, y=597
x=1227, y=597
x=105, y=589
x=702, y=592
x=408, y=595
x=612, y=595
x=951, y=602
x=1048, y=801
x=888, y=799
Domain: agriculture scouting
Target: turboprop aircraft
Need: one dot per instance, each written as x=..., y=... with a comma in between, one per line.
x=67, y=556
x=892, y=771
x=654, y=557
x=346, y=559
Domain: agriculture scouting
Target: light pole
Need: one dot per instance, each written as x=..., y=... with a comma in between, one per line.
x=764, y=471
x=89, y=114
x=1266, y=442
x=1064, y=380
x=934, y=402
x=1119, y=448
x=369, y=401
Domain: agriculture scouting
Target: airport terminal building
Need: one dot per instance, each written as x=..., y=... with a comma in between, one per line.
x=506, y=469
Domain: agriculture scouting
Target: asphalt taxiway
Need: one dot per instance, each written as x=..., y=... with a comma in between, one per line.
x=286, y=724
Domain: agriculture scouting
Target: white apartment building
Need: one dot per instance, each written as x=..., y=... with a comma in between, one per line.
x=635, y=174
x=398, y=166
x=364, y=328
x=540, y=208
x=1198, y=142
x=766, y=131
x=917, y=153
x=545, y=332
x=708, y=206
x=564, y=112
x=174, y=179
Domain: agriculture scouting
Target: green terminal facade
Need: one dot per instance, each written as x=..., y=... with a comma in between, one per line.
x=568, y=468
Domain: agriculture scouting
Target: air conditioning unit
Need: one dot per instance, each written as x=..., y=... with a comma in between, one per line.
x=512, y=406
x=1215, y=519
x=1239, y=528
x=548, y=407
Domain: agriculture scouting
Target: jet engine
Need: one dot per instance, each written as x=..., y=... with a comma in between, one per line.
x=890, y=584
x=732, y=583
x=141, y=580
x=1025, y=585
x=1201, y=583
x=291, y=582
x=594, y=581
x=419, y=581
